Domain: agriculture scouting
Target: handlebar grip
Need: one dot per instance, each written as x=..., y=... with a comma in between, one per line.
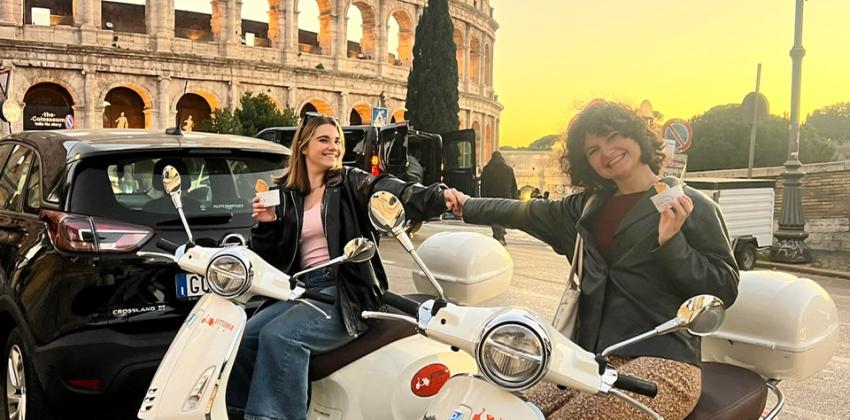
x=636, y=385
x=404, y=304
x=321, y=297
x=166, y=245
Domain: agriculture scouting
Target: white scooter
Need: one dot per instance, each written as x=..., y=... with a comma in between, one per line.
x=389, y=372
x=781, y=327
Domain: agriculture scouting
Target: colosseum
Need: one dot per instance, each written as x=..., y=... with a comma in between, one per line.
x=147, y=63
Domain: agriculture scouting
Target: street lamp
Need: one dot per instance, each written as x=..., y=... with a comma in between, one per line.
x=790, y=246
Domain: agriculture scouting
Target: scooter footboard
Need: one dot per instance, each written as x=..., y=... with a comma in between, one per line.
x=383, y=385
x=467, y=396
x=193, y=372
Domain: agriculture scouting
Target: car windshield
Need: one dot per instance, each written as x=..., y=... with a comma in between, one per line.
x=216, y=189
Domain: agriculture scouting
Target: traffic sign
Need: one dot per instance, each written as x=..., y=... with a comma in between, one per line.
x=380, y=116
x=680, y=131
x=754, y=103
x=69, y=121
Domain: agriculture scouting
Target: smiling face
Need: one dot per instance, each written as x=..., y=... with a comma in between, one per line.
x=324, y=149
x=613, y=157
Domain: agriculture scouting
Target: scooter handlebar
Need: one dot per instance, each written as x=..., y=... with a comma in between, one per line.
x=166, y=245
x=404, y=304
x=636, y=385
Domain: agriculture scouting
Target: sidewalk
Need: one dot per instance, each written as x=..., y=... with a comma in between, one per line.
x=834, y=264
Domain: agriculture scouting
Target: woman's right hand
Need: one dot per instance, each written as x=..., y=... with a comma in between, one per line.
x=455, y=201
x=261, y=213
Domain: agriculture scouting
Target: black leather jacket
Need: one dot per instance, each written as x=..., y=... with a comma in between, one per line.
x=644, y=284
x=345, y=217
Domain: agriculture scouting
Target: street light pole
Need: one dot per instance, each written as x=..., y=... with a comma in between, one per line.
x=790, y=246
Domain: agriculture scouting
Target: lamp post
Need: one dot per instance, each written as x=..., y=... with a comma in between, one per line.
x=790, y=246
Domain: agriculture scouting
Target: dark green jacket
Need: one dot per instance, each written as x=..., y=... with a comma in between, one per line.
x=644, y=284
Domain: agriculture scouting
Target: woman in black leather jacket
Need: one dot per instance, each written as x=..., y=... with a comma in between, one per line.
x=639, y=264
x=323, y=206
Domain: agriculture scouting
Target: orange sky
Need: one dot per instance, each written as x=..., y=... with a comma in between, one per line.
x=551, y=56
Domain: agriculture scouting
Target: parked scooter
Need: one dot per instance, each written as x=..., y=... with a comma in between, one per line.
x=404, y=370
x=781, y=327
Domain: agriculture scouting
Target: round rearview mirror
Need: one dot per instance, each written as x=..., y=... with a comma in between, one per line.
x=385, y=211
x=170, y=179
x=702, y=315
x=359, y=250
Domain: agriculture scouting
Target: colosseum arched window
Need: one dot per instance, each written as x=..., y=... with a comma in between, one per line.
x=475, y=60
x=362, y=30
x=360, y=114
x=46, y=106
x=460, y=46
x=400, y=38
x=316, y=105
x=256, y=22
x=315, y=26
x=124, y=108
x=198, y=23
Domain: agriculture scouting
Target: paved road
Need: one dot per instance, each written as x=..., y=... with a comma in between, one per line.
x=537, y=284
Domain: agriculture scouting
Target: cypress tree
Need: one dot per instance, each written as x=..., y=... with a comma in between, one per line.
x=432, y=96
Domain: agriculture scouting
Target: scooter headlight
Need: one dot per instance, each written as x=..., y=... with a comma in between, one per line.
x=514, y=351
x=229, y=274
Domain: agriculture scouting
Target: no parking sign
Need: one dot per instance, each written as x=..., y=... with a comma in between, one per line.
x=69, y=121
x=680, y=131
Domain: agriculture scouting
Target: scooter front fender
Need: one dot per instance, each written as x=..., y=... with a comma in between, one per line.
x=468, y=397
x=191, y=380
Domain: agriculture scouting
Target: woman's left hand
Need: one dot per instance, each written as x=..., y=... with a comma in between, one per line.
x=673, y=217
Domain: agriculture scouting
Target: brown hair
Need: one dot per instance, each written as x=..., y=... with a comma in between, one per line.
x=601, y=119
x=296, y=178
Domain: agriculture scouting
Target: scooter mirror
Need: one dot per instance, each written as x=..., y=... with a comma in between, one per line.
x=359, y=250
x=170, y=179
x=702, y=315
x=385, y=211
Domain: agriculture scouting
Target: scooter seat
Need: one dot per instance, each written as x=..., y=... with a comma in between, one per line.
x=729, y=392
x=380, y=333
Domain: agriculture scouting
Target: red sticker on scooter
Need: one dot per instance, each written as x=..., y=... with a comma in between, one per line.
x=429, y=380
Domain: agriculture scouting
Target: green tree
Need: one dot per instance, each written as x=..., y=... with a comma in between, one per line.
x=722, y=141
x=832, y=122
x=223, y=122
x=258, y=112
x=432, y=96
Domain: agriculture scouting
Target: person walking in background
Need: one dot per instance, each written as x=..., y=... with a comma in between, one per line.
x=535, y=193
x=498, y=180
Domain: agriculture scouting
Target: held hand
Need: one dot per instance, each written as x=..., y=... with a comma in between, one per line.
x=455, y=201
x=262, y=213
x=673, y=217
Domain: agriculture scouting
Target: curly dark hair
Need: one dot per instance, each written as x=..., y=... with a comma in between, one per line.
x=601, y=119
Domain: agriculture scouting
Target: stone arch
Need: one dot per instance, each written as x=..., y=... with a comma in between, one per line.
x=475, y=60
x=406, y=27
x=360, y=114
x=143, y=93
x=488, y=65
x=124, y=108
x=46, y=106
x=365, y=47
x=399, y=115
x=322, y=41
x=195, y=108
x=488, y=139
x=460, y=46
x=29, y=83
x=315, y=105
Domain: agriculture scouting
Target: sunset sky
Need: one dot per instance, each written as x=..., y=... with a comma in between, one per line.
x=683, y=56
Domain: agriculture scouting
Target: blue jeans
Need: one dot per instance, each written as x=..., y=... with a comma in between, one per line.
x=269, y=377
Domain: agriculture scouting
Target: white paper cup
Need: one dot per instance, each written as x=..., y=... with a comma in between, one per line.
x=663, y=200
x=269, y=198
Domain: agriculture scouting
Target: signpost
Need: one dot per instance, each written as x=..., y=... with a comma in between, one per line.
x=380, y=116
x=681, y=131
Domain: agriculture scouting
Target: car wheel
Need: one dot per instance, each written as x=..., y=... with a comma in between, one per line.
x=746, y=256
x=22, y=396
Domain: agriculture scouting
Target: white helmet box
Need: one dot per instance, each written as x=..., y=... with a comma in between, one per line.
x=781, y=326
x=470, y=267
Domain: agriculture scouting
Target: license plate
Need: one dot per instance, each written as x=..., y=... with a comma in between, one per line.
x=190, y=285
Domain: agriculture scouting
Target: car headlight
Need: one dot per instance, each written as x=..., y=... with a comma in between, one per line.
x=514, y=351
x=229, y=274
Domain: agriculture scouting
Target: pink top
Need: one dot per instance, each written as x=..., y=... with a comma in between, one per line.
x=314, y=245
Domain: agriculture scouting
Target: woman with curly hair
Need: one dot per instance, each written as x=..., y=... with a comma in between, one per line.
x=640, y=263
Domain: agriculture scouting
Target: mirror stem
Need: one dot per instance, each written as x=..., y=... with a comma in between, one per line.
x=669, y=326
x=408, y=246
x=337, y=260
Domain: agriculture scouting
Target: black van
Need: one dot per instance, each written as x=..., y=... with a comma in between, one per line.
x=449, y=157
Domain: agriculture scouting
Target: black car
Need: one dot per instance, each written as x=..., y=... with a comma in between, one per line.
x=85, y=321
x=448, y=157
